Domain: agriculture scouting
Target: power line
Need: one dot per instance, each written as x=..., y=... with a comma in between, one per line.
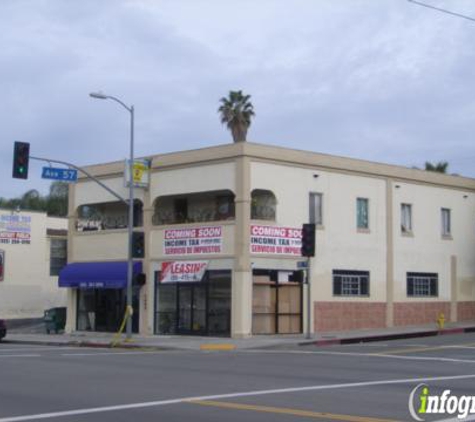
x=442, y=10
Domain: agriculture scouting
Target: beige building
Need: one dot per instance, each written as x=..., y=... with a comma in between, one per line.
x=222, y=227
x=32, y=253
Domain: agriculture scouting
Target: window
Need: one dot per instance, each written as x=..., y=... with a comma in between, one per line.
x=362, y=213
x=108, y=216
x=446, y=231
x=350, y=283
x=406, y=218
x=194, y=208
x=316, y=208
x=263, y=205
x=58, y=256
x=422, y=284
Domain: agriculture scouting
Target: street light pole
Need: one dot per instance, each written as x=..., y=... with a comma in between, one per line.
x=101, y=96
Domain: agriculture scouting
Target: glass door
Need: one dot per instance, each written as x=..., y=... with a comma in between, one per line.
x=185, y=295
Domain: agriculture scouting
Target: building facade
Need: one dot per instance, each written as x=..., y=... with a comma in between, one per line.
x=222, y=235
x=33, y=250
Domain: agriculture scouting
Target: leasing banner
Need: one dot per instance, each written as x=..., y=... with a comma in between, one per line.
x=276, y=240
x=182, y=271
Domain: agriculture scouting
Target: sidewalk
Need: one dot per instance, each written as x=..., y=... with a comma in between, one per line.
x=162, y=342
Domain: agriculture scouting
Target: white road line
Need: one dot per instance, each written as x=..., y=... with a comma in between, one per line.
x=113, y=353
x=38, y=348
x=228, y=396
x=20, y=356
x=468, y=418
x=460, y=347
x=371, y=355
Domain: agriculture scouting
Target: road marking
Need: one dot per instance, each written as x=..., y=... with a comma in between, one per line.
x=20, y=356
x=37, y=349
x=229, y=396
x=217, y=347
x=425, y=349
x=369, y=355
x=112, y=353
x=287, y=411
x=468, y=418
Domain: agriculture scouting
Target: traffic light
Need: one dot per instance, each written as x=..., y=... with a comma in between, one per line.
x=21, y=156
x=138, y=245
x=308, y=240
x=139, y=280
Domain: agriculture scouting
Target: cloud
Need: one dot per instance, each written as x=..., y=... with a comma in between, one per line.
x=385, y=81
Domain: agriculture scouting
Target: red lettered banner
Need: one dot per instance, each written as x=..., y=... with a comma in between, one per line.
x=183, y=271
x=276, y=240
x=193, y=241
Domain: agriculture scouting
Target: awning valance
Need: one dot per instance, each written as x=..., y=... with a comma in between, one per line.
x=97, y=275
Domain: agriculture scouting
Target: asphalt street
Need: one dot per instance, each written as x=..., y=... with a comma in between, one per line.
x=368, y=382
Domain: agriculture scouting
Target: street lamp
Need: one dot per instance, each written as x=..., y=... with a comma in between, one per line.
x=102, y=96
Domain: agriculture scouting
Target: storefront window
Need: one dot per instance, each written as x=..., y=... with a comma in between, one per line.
x=202, y=308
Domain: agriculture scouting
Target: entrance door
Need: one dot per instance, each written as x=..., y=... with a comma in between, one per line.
x=192, y=308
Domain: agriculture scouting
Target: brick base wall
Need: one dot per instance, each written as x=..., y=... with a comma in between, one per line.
x=342, y=316
x=419, y=313
x=466, y=311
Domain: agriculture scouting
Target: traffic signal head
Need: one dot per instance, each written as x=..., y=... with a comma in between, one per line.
x=139, y=280
x=21, y=156
x=308, y=240
x=138, y=245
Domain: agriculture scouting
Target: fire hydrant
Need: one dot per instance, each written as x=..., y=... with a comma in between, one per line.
x=441, y=321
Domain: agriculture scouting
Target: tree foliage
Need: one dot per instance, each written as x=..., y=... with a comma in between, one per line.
x=439, y=167
x=236, y=112
x=54, y=204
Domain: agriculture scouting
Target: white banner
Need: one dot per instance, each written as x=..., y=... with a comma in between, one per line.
x=15, y=229
x=193, y=241
x=276, y=240
x=182, y=271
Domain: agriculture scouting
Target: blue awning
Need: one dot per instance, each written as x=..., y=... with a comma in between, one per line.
x=97, y=275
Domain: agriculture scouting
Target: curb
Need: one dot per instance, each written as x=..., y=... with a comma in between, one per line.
x=89, y=344
x=387, y=337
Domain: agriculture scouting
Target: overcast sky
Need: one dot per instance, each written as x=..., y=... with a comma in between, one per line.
x=381, y=80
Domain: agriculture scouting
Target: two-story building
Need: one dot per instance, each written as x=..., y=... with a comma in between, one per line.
x=32, y=252
x=222, y=226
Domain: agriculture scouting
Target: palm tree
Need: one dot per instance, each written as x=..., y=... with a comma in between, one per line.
x=440, y=167
x=236, y=112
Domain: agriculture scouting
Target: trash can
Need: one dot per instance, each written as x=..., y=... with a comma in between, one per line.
x=55, y=319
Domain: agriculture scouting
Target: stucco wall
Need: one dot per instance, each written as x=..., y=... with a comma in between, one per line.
x=28, y=289
x=339, y=243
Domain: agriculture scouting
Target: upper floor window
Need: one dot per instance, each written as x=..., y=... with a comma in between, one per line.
x=108, y=216
x=263, y=205
x=446, y=229
x=422, y=284
x=406, y=218
x=350, y=283
x=362, y=213
x=316, y=208
x=58, y=255
x=194, y=207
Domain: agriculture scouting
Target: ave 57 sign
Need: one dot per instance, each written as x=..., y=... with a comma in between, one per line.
x=64, y=175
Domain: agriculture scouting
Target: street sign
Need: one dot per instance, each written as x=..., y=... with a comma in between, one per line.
x=64, y=175
x=302, y=264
